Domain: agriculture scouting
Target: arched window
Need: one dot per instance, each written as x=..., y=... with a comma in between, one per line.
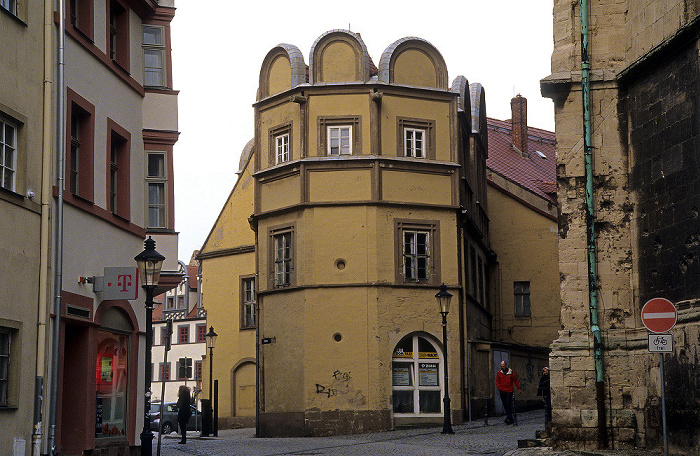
x=416, y=377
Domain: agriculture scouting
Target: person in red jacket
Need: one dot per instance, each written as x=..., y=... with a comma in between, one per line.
x=505, y=379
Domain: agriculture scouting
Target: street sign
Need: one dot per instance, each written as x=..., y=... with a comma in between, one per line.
x=659, y=315
x=660, y=343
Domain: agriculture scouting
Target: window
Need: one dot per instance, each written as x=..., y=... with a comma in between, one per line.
x=153, y=56
x=9, y=5
x=417, y=246
x=339, y=140
x=112, y=381
x=4, y=366
x=198, y=370
x=282, y=245
x=163, y=335
x=282, y=148
x=417, y=374
x=521, y=291
x=164, y=372
x=339, y=135
x=201, y=333
x=80, y=16
x=80, y=146
x=8, y=154
x=183, y=334
x=184, y=368
x=118, y=33
x=156, y=180
x=181, y=302
x=415, y=138
x=414, y=143
x=119, y=195
x=280, y=144
x=248, y=303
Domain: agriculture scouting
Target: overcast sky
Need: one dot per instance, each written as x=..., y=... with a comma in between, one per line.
x=219, y=45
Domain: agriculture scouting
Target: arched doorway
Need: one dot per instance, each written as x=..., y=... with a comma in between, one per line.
x=417, y=373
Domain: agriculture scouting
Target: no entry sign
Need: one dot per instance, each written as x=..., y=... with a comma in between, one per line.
x=659, y=315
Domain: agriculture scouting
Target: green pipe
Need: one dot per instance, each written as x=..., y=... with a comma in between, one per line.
x=590, y=226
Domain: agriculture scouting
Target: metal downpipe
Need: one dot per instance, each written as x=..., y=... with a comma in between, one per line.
x=58, y=247
x=590, y=228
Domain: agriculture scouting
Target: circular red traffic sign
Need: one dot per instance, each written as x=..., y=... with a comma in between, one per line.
x=659, y=315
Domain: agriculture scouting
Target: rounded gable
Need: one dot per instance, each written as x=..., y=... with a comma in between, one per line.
x=461, y=86
x=415, y=62
x=282, y=69
x=478, y=111
x=339, y=56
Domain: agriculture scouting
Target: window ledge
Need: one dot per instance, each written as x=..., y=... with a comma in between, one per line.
x=15, y=18
x=9, y=408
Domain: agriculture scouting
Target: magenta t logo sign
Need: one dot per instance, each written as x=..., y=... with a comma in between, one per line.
x=121, y=283
x=124, y=281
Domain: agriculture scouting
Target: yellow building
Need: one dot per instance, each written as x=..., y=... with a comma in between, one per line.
x=365, y=188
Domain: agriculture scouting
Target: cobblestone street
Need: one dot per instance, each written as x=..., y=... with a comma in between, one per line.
x=473, y=438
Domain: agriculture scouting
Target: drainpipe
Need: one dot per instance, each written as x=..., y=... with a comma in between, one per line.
x=45, y=231
x=58, y=247
x=590, y=228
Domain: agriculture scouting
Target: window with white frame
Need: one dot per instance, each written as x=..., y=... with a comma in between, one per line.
x=282, y=258
x=521, y=292
x=156, y=180
x=8, y=154
x=414, y=142
x=282, y=148
x=417, y=245
x=9, y=5
x=416, y=255
x=340, y=140
x=154, y=56
x=417, y=377
x=248, y=303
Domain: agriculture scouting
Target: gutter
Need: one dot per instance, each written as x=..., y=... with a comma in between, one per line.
x=590, y=229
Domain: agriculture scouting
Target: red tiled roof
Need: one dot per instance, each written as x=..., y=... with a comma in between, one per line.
x=535, y=172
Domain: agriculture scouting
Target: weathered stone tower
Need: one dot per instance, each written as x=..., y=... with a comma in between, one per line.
x=641, y=68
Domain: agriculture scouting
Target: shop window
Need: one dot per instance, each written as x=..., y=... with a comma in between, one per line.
x=112, y=384
x=417, y=385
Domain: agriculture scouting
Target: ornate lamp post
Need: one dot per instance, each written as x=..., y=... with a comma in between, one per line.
x=211, y=340
x=443, y=298
x=149, y=263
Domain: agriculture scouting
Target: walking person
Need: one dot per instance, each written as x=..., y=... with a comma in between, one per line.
x=544, y=390
x=505, y=381
x=184, y=411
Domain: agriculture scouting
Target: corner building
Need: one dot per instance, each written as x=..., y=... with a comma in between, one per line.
x=367, y=190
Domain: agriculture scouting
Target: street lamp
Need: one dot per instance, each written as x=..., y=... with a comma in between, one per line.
x=443, y=299
x=149, y=263
x=211, y=340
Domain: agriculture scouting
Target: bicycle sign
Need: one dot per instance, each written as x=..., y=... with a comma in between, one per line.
x=660, y=343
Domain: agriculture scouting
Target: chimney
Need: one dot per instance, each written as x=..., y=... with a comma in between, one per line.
x=518, y=107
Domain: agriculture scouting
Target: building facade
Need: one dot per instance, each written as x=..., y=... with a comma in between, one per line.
x=366, y=189
x=632, y=88
x=523, y=211
x=108, y=118
x=182, y=365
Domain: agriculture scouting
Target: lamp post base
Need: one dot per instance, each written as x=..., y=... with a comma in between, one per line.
x=447, y=423
x=146, y=443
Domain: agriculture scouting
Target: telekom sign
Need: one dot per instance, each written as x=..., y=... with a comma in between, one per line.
x=121, y=283
x=659, y=315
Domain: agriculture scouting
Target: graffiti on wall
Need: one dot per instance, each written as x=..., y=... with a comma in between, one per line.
x=340, y=384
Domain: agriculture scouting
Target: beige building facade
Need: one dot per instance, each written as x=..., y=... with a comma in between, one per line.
x=642, y=59
x=365, y=188
x=108, y=118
